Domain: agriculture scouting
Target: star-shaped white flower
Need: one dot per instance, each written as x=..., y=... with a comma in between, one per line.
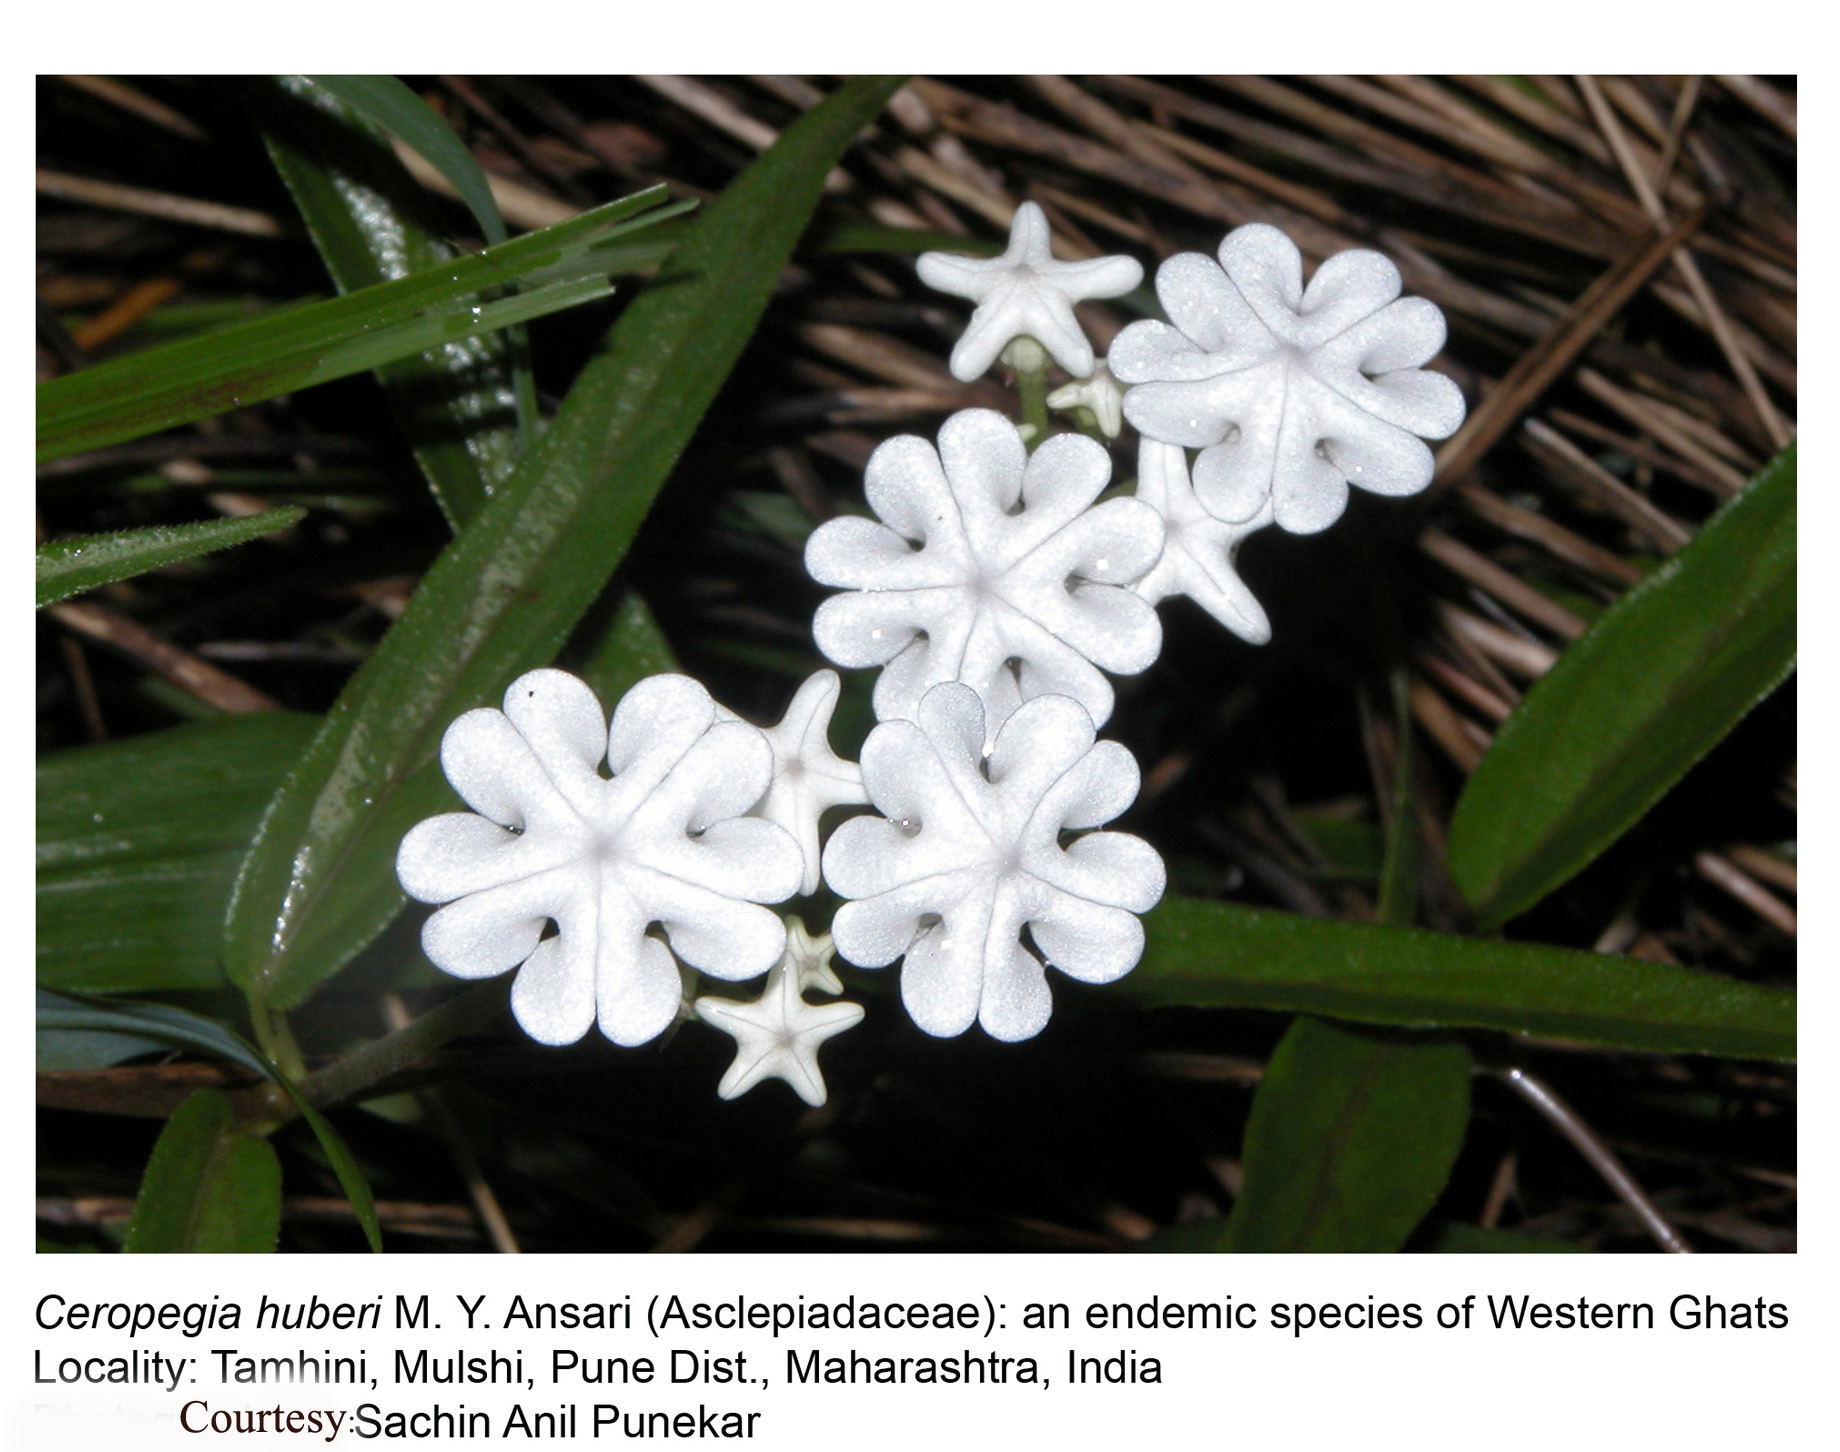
x=1100, y=393
x=991, y=569
x=808, y=777
x=1290, y=394
x=812, y=956
x=1198, y=549
x=1025, y=292
x=777, y=1036
x=664, y=841
x=969, y=853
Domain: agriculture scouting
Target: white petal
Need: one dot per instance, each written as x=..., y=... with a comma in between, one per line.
x=1150, y=352
x=492, y=767
x=1087, y=941
x=488, y=933
x=1266, y=268
x=1015, y=1003
x=637, y=990
x=1201, y=301
x=1346, y=288
x=984, y=457
x=552, y=996
x=448, y=856
x=557, y=714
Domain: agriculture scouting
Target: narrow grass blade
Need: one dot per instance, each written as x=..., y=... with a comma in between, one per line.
x=62, y=1048
x=1351, y=1138
x=209, y=1187
x=390, y=106
x=67, y=567
x=138, y=845
x=283, y=352
x=1213, y=955
x=66, y=1019
x=320, y=880
x=1653, y=686
x=387, y=102
x=372, y=222
x=344, y=1164
x=69, y=1013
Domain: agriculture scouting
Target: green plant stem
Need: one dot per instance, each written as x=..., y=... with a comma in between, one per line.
x=277, y=1040
x=348, y=1078
x=1033, y=386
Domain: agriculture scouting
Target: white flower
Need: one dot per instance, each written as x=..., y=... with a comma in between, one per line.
x=812, y=956
x=777, y=1036
x=1290, y=395
x=1198, y=549
x=1026, y=293
x=1100, y=393
x=1012, y=566
x=808, y=777
x=969, y=853
x=663, y=841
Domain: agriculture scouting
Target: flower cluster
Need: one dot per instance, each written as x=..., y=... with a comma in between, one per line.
x=995, y=589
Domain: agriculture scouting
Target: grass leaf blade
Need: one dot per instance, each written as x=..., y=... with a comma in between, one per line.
x=372, y=222
x=283, y=352
x=386, y=102
x=68, y=567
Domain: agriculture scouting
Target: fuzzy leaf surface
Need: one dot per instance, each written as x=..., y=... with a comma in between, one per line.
x=1213, y=955
x=138, y=845
x=67, y=567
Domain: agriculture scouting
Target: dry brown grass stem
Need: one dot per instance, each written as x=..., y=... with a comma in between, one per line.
x=188, y=672
x=189, y=210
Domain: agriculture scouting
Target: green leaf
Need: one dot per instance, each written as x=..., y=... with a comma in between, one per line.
x=138, y=846
x=1352, y=1135
x=198, y=377
x=390, y=106
x=66, y=1019
x=372, y=222
x=1214, y=955
x=387, y=102
x=1653, y=686
x=74, y=1013
x=1454, y=1237
x=344, y=1164
x=209, y=1187
x=69, y=566
x=320, y=882
x=58, y=1049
